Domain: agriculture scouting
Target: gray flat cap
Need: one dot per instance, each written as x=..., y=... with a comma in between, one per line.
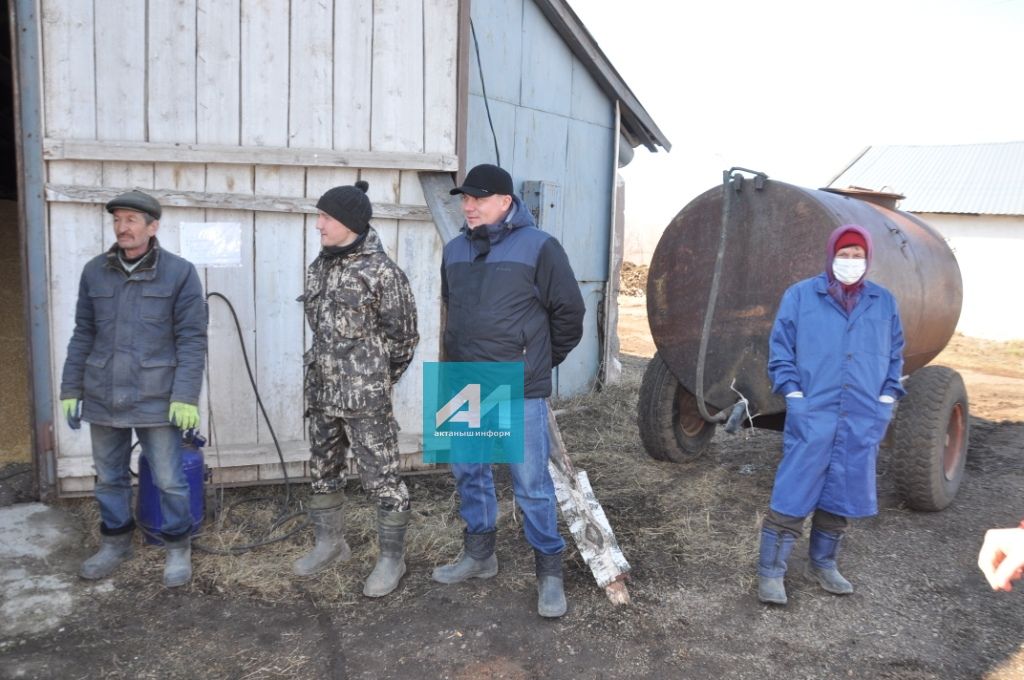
x=135, y=200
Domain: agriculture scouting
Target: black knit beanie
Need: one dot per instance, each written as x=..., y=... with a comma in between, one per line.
x=349, y=205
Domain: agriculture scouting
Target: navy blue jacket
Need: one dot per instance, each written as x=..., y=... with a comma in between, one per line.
x=519, y=301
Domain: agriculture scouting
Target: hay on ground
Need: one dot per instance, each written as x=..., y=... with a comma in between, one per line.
x=666, y=517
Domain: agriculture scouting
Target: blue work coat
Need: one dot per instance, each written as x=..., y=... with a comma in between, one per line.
x=842, y=363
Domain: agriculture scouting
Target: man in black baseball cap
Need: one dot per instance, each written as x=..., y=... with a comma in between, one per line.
x=487, y=199
x=511, y=296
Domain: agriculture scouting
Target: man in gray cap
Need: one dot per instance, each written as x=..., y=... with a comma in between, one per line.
x=361, y=310
x=135, y=362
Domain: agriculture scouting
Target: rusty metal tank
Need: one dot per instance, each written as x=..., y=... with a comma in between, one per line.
x=775, y=235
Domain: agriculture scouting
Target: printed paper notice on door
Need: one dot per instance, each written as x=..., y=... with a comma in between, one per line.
x=212, y=244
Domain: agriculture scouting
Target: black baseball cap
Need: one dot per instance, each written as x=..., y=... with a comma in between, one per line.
x=485, y=180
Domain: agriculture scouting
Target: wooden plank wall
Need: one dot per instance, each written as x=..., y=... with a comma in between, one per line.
x=375, y=78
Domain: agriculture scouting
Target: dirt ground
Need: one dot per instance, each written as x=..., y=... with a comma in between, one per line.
x=921, y=609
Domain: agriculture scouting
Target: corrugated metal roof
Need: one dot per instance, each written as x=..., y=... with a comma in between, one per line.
x=984, y=179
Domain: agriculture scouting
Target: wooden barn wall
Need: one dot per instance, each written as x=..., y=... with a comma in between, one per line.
x=373, y=77
x=554, y=124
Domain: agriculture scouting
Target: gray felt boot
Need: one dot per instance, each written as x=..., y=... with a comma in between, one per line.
x=326, y=515
x=113, y=551
x=478, y=560
x=822, y=564
x=178, y=563
x=390, y=565
x=550, y=594
x=771, y=565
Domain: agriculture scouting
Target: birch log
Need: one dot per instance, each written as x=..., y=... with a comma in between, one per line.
x=586, y=519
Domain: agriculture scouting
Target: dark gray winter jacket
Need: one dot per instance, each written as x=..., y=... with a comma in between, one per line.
x=519, y=301
x=139, y=341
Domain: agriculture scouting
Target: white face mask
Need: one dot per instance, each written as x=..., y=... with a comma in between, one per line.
x=849, y=269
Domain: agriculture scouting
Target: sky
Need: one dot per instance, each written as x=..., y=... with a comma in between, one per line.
x=799, y=88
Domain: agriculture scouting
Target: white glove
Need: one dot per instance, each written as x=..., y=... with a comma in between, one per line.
x=795, y=395
x=886, y=399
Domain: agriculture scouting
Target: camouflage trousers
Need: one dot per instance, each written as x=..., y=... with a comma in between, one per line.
x=373, y=440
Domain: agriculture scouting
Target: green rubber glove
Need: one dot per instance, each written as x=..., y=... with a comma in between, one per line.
x=70, y=409
x=185, y=416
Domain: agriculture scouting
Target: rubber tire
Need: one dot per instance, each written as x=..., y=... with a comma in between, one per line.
x=658, y=417
x=919, y=432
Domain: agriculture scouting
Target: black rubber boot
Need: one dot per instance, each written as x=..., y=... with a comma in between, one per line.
x=478, y=560
x=771, y=565
x=326, y=515
x=390, y=567
x=550, y=594
x=113, y=551
x=178, y=563
x=822, y=564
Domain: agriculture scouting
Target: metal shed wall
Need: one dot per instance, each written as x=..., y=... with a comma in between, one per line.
x=554, y=124
x=246, y=111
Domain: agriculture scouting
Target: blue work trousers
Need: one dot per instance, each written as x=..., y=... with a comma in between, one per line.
x=111, y=454
x=531, y=483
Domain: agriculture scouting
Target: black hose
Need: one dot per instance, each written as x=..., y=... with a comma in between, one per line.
x=259, y=401
x=483, y=89
x=285, y=515
x=709, y=312
x=243, y=547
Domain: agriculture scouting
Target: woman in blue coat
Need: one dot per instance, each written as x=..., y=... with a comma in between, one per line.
x=836, y=353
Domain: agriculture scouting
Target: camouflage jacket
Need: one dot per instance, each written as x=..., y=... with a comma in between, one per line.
x=362, y=313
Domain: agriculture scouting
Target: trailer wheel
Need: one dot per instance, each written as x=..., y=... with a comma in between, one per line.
x=670, y=424
x=930, y=436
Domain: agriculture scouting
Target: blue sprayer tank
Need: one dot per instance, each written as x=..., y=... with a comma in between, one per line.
x=149, y=514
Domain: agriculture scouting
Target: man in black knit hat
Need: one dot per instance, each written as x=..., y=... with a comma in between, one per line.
x=361, y=310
